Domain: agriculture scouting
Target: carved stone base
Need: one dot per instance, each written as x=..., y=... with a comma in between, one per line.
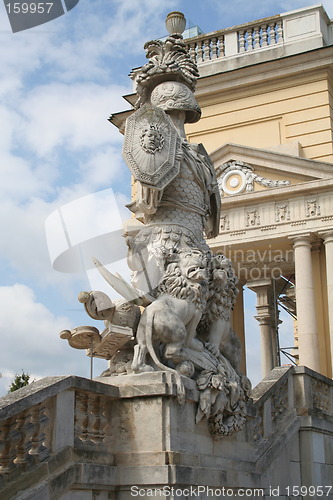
x=160, y=445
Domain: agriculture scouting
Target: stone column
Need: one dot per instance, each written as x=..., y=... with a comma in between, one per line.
x=267, y=363
x=305, y=304
x=328, y=242
x=266, y=318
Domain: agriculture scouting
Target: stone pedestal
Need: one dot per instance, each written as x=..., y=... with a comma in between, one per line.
x=159, y=445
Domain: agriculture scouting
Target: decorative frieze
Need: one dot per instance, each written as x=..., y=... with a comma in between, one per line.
x=280, y=402
x=258, y=431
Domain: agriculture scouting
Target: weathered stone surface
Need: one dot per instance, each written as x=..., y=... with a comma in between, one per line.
x=36, y=392
x=146, y=439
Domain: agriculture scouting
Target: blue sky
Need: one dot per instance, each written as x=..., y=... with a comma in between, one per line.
x=59, y=83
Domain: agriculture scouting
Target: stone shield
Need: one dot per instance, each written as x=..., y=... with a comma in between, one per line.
x=152, y=147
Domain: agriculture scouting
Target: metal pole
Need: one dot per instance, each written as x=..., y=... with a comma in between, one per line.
x=91, y=357
x=276, y=321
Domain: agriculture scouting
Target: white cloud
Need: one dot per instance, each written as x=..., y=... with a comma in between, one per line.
x=104, y=167
x=30, y=339
x=239, y=11
x=70, y=116
x=23, y=243
x=21, y=182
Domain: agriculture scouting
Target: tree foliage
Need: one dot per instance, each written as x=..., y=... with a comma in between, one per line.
x=19, y=381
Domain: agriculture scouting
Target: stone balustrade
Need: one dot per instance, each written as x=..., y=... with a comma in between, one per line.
x=260, y=36
x=44, y=418
x=206, y=48
x=25, y=437
x=297, y=31
x=244, y=38
x=91, y=421
x=67, y=434
x=287, y=393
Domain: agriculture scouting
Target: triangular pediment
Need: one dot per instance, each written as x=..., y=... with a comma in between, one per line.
x=242, y=169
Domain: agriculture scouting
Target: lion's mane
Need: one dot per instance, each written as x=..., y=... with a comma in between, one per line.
x=221, y=296
x=177, y=285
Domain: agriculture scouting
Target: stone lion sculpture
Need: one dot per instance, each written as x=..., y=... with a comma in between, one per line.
x=172, y=319
x=215, y=326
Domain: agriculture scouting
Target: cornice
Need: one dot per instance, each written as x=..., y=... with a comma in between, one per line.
x=280, y=193
x=273, y=160
x=279, y=71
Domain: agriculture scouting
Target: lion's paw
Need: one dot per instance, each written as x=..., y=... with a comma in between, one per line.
x=143, y=368
x=212, y=348
x=196, y=344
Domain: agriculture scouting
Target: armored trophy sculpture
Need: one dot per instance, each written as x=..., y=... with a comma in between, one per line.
x=185, y=293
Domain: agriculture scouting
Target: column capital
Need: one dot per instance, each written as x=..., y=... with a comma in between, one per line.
x=264, y=320
x=326, y=235
x=259, y=284
x=302, y=240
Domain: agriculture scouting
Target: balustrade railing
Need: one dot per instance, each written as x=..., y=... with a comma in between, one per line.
x=249, y=37
x=26, y=437
x=306, y=29
x=92, y=425
x=35, y=426
x=260, y=36
x=288, y=393
x=205, y=49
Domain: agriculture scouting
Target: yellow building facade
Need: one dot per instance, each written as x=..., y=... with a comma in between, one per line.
x=266, y=94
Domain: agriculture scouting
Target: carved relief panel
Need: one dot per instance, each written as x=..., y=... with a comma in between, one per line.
x=312, y=207
x=282, y=212
x=225, y=222
x=252, y=217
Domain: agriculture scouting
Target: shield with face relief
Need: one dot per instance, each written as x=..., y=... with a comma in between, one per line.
x=152, y=147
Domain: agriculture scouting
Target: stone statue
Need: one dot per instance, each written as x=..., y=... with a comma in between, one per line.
x=185, y=292
x=177, y=194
